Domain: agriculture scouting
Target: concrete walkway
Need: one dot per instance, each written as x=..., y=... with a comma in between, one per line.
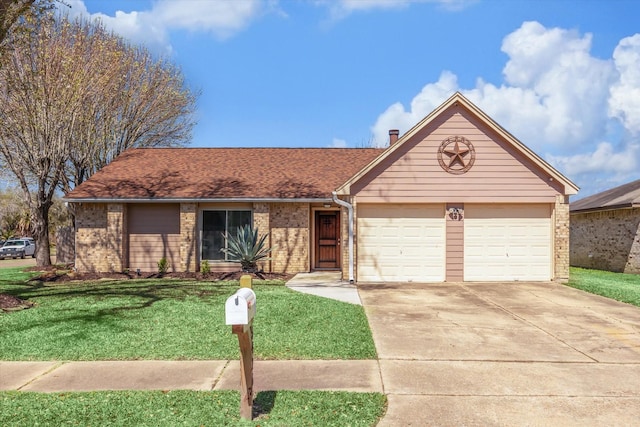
x=344, y=375
x=326, y=284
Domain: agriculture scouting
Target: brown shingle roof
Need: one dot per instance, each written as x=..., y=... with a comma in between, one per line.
x=624, y=196
x=224, y=173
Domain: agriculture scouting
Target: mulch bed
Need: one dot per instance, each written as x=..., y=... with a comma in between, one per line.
x=63, y=274
x=66, y=274
x=11, y=303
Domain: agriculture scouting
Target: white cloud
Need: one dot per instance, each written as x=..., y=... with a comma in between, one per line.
x=222, y=19
x=343, y=8
x=604, y=158
x=624, y=103
x=570, y=85
x=396, y=117
x=556, y=98
x=338, y=143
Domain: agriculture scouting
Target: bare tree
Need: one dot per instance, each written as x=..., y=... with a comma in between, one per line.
x=73, y=97
x=12, y=12
x=14, y=215
x=135, y=101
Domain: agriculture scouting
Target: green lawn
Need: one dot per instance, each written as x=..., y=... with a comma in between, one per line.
x=171, y=320
x=618, y=286
x=190, y=408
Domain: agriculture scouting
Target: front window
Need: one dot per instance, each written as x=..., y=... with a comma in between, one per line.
x=214, y=224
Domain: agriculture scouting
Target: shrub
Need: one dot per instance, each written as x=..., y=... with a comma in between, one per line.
x=163, y=265
x=205, y=268
x=246, y=248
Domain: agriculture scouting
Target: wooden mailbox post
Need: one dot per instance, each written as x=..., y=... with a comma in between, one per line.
x=240, y=309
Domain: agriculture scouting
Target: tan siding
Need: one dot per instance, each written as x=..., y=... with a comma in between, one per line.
x=147, y=250
x=224, y=267
x=455, y=246
x=413, y=174
x=154, y=233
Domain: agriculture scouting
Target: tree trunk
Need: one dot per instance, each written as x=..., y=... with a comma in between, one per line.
x=40, y=226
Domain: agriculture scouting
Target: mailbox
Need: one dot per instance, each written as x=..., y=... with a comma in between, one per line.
x=240, y=307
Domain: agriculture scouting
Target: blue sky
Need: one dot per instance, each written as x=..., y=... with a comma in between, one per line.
x=562, y=76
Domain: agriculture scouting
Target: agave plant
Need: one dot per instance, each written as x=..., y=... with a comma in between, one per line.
x=246, y=248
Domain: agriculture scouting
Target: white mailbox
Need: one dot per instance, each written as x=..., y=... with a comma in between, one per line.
x=240, y=307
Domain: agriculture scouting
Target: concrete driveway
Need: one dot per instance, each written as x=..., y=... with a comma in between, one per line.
x=504, y=354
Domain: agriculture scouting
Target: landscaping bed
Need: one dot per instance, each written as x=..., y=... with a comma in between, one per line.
x=65, y=273
x=11, y=303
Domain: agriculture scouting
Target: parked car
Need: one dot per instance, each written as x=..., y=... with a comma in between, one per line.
x=18, y=248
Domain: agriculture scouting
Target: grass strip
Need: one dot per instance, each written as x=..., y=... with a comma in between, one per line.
x=166, y=319
x=192, y=408
x=617, y=286
x=14, y=276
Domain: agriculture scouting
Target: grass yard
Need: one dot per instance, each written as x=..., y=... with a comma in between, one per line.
x=145, y=408
x=172, y=320
x=618, y=286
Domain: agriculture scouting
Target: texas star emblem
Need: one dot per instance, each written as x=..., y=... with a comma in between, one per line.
x=456, y=155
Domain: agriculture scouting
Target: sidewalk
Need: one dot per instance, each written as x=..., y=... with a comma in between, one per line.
x=338, y=375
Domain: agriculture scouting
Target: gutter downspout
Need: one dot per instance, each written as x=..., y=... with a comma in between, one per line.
x=349, y=207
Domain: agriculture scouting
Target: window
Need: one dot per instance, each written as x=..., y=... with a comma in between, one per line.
x=214, y=224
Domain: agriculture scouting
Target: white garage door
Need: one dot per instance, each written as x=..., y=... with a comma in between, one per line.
x=401, y=243
x=507, y=242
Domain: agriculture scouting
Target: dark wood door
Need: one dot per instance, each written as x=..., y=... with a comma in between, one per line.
x=327, y=239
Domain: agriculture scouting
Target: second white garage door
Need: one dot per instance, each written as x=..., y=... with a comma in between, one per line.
x=507, y=242
x=401, y=243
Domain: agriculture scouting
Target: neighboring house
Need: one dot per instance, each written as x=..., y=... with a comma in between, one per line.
x=605, y=230
x=457, y=198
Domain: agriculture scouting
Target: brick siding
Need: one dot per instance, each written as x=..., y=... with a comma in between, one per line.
x=290, y=237
x=261, y=222
x=561, y=239
x=344, y=238
x=606, y=240
x=188, y=223
x=100, y=243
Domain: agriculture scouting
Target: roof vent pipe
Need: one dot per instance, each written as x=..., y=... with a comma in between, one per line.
x=349, y=207
x=393, y=136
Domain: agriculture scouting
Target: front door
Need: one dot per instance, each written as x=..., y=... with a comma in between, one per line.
x=327, y=239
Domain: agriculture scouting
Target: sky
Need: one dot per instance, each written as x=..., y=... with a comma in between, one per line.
x=561, y=76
